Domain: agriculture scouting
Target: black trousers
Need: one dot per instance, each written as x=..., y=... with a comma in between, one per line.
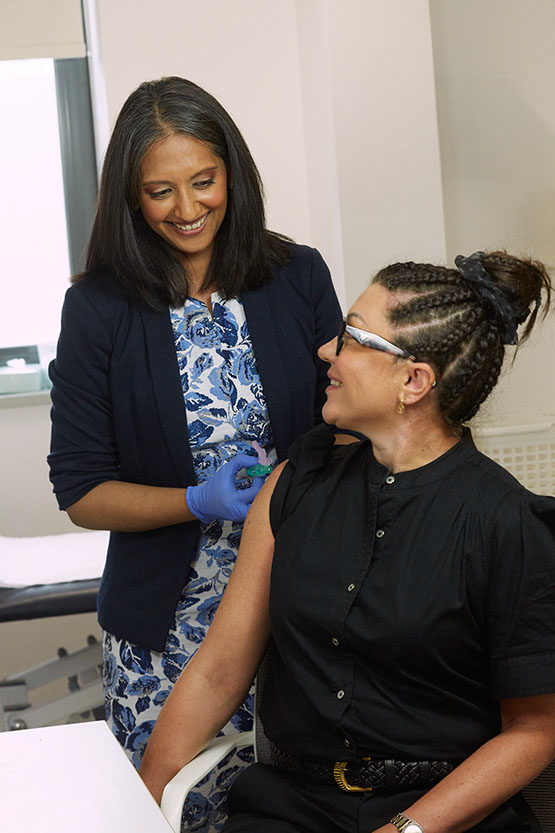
x=263, y=800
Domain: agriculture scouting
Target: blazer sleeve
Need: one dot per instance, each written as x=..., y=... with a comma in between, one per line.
x=83, y=450
x=327, y=313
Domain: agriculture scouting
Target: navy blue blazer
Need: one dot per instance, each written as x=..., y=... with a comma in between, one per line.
x=118, y=414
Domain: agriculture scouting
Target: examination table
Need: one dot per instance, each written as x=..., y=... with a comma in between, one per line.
x=53, y=575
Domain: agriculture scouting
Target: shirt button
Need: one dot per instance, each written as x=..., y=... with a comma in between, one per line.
x=390, y=479
x=380, y=533
x=335, y=641
x=340, y=694
x=350, y=588
x=347, y=742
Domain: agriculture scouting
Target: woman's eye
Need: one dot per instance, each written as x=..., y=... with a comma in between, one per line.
x=204, y=183
x=156, y=195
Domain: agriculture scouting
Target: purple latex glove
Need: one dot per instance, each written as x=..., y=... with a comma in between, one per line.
x=219, y=497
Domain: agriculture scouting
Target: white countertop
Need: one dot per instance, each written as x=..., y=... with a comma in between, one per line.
x=64, y=779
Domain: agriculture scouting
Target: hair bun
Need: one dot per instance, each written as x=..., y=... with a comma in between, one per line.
x=500, y=299
x=522, y=280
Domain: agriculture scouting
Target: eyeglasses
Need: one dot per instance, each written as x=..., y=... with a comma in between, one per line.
x=370, y=340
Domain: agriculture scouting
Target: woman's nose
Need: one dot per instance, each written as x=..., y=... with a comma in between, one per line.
x=327, y=351
x=185, y=206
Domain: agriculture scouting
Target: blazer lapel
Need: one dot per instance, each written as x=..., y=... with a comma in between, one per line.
x=168, y=394
x=266, y=347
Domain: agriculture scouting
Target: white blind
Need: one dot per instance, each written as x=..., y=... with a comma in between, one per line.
x=41, y=29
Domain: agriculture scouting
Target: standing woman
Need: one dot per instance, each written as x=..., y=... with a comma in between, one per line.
x=192, y=333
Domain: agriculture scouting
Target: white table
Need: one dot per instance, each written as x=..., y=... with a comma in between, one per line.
x=64, y=779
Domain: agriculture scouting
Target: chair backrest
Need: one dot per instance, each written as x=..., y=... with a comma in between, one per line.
x=540, y=795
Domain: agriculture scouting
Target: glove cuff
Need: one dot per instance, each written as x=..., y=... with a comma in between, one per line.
x=192, y=498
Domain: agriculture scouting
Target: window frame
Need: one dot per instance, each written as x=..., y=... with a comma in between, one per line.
x=77, y=144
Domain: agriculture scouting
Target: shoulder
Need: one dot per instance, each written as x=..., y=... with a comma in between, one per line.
x=477, y=473
x=304, y=263
x=314, y=458
x=318, y=448
x=496, y=480
x=100, y=286
x=97, y=293
x=507, y=506
x=304, y=283
x=492, y=475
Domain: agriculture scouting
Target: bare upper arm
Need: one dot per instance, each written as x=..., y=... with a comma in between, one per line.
x=241, y=626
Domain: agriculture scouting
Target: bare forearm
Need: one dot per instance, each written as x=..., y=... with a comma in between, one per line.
x=495, y=772
x=130, y=507
x=186, y=725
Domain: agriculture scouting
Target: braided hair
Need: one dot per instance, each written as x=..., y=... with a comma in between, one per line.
x=459, y=320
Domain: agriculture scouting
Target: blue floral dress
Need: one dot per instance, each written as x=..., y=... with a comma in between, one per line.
x=226, y=411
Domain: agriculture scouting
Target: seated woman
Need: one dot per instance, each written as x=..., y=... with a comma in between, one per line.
x=407, y=582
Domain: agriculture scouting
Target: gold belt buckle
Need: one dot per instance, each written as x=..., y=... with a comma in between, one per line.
x=339, y=773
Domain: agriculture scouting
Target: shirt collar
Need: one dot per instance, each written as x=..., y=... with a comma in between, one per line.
x=437, y=469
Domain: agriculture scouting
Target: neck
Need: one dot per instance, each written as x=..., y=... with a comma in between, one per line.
x=197, y=267
x=410, y=443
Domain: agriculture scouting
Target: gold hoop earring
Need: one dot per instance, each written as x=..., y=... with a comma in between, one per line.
x=401, y=405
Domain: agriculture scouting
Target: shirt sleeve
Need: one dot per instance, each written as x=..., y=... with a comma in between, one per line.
x=83, y=446
x=521, y=599
x=327, y=314
x=308, y=456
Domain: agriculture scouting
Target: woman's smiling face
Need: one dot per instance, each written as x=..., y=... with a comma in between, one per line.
x=365, y=384
x=183, y=196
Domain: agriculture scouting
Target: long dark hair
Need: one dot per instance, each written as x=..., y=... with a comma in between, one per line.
x=444, y=317
x=144, y=264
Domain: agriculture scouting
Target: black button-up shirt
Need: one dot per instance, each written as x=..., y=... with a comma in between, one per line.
x=404, y=605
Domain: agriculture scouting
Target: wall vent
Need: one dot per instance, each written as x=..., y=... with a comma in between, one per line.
x=527, y=451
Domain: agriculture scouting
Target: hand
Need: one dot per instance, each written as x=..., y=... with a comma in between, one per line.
x=219, y=497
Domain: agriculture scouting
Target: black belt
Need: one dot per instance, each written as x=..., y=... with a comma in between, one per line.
x=365, y=774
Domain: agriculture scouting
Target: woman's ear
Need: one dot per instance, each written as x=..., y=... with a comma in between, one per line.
x=420, y=381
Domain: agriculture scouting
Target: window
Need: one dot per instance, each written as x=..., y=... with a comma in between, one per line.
x=49, y=193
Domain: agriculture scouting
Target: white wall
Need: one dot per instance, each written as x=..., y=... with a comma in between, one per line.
x=28, y=506
x=336, y=101
x=386, y=131
x=495, y=75
x=245, y=53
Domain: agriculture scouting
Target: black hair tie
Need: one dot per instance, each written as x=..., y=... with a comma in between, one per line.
x=498, y=298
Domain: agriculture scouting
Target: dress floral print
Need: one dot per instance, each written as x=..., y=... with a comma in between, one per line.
x=226, y=411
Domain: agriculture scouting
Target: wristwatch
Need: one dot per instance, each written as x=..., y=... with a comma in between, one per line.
x=406, y=825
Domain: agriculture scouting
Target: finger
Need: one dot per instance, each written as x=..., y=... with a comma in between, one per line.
x=248, y=495
x=240, y=512
x=241, y=461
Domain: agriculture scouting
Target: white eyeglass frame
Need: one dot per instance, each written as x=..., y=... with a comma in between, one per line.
x=372, y=340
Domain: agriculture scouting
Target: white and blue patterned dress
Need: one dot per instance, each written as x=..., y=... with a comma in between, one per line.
x=226, y=411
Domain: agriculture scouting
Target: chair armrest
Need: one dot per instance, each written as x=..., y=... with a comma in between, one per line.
x=176, y=791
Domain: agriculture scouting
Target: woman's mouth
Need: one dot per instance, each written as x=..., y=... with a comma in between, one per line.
x=189, y=229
